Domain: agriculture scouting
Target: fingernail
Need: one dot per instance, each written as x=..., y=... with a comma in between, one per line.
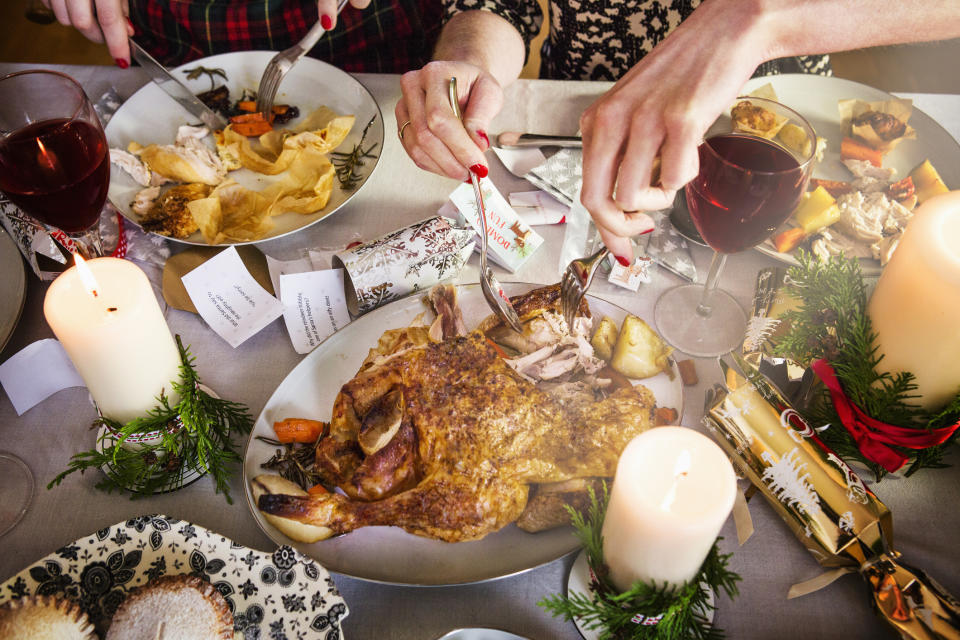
x=480, y=170
x=623, y=261
x=130, y=23
x=326, y=22
x=123, y=64
x=562, y=220
x=483, y=136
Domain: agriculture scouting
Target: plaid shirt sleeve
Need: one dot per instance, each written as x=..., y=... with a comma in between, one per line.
x=525, y=15
x=389, y=36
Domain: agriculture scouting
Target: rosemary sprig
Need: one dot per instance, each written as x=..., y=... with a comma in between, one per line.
x=196, y=72
x=833, y=323
x=347, y=164
x=293, y=461
x=612, y=614
x=195, y=437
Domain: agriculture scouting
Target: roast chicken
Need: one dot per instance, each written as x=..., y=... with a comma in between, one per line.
x=466, y=436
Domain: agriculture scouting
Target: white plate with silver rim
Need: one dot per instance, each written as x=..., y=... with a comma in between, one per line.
x=816, y=98
x=151, y=116
x=390, y=554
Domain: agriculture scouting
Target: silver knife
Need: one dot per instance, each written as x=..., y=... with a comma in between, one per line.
x=176, y=89
x=510, y=139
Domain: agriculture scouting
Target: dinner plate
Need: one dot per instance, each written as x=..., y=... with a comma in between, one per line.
x=151, y=116
x=13, y=286
x=816, y=98
x=389, y=554
x=277, y=594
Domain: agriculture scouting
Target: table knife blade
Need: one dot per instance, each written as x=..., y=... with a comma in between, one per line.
x=176, y=89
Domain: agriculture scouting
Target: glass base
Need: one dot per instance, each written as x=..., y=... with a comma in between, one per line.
x=16, y=490
x=683, y=324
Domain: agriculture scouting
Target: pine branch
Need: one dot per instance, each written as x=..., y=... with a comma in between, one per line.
x=833, y=323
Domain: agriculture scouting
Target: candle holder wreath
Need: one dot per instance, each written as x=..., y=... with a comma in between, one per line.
x=172, y=445
x=877, y=417
x=645, y=611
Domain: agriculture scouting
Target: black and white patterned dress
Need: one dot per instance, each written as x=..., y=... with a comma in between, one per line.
x=602, y=39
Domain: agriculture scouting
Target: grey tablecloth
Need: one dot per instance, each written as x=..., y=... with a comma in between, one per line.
x=926, y=507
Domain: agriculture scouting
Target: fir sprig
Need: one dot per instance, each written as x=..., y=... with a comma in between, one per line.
x=833, y=323
x=347, y=164
x=612, y=614
x=194, y=437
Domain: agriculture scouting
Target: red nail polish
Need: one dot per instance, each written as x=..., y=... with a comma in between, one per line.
x=123, y=64
x=562, y=220
x=326, y=22
x=623, y=261
x=130, y=23
x=480, y=170
x=468, y=180
x=483, y=136
x=643, y=233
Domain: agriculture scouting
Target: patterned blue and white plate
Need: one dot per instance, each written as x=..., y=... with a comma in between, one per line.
x=283, y=594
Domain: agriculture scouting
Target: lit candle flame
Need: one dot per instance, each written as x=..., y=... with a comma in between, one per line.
x=680, y=468
x=46, y=158
x=86, y=276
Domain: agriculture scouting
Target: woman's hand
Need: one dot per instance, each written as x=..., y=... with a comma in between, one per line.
x=657, y=113
x=430, y=132
x=327, y=10
x=99, y=21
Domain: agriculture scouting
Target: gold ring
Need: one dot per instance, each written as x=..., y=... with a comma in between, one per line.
x=402, y=127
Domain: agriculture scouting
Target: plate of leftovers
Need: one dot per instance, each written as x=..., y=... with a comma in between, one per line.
x=881, y=157
x=260, y=178
x=153, y=565
x=428, y=444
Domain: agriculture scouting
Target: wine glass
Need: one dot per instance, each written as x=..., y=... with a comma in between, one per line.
x=748, y=185
x=54, y=160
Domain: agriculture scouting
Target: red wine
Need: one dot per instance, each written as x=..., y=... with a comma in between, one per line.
x=58, y=171
x=746, y=188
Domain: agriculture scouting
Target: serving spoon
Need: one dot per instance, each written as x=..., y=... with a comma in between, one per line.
x=491, y=288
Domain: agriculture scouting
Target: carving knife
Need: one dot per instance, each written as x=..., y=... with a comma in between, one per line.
x=176, y=89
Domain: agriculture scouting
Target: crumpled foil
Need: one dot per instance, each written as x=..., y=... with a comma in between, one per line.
x=824, y=502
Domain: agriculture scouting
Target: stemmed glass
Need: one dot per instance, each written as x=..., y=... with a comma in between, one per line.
x=54, y=161
x=748, y=185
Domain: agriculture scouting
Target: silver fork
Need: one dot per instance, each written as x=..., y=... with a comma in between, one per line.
x=281, y=63
x=576, y=280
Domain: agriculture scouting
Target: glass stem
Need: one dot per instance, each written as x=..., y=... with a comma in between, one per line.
x=89, y=243
x=713, y=276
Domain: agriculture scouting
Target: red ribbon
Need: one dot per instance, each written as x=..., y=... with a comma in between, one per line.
x=874, y=438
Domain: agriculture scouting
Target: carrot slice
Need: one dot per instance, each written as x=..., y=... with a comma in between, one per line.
x=851, y=149
x=789, y=239
x=833, y=187
x=299, y=430
x=250, y=124
x=250, y=106
x=317, y=490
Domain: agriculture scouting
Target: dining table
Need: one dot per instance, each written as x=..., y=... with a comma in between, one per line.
x=925, y=506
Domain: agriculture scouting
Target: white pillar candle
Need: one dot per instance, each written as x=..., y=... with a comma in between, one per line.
x=673, y=490
x=114, y=332
x=915, y=308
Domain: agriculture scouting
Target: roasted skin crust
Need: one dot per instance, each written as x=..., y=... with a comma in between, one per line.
x=480, y=436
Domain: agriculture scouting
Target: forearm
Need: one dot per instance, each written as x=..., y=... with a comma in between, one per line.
x=483, y=39
x=797, y=27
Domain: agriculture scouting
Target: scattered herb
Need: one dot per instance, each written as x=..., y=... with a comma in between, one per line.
x=675, y=613
x=196, y=72
x=195, y=437
x=833, y=323
x=348, y=163
x=293, y=461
